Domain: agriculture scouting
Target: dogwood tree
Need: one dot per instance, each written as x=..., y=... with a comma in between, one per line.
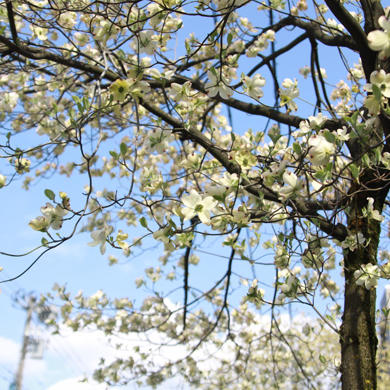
x=254, y=126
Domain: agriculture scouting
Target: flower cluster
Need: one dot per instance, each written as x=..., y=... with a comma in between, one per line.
x=261, y=43
x=320, y=150
x=292, y=185
x=218, y=84
x=253, y=86
x=52, y=217
x=289, y=93
x=181, y=92
x=135, y=87
x=367, y=276
x=290, y=287
x=379, y=88
x=3, y=180
x=8, y=101
x=195, y=204
x=370, y=212
x=255, y=294
x=352, y=241
x=120, y=239
x=380, y=40
x=100, y=236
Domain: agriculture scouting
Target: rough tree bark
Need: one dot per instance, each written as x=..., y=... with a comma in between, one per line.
x=358, y=331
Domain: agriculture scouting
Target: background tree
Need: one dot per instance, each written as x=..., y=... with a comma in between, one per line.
x=155, y=95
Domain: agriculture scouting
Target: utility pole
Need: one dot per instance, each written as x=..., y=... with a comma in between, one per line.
x=383, y=350
x=384, y=323
x=17, y=384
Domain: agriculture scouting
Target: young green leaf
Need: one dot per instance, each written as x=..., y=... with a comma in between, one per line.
x=50, y=194
x=123, y=148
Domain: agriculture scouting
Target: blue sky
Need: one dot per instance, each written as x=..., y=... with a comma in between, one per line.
x=81, y=267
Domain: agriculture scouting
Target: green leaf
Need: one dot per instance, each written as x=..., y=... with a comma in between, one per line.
x=172, y=224
x=353, y=118
x=385, y=311
x=188, y=47
x=377, y=92
x=123, y=148
x=355, y=170
x=297, y=148
x=322, y=359
x=321, y=175
x=229, y=38
x=143, y=222
x=378, y=155
x=213, y=35
x=72, y=121
x=44, y=241
x=214, y=72
x=243, y=257
x=330, y=137
x=274, y=134
x=78, y=102
x=85, y=103
x=50, y=194
x=328, y=167
x=120, y=54
x=113, y=154
x=366, y=160
x=316, y=222
x=220, y=198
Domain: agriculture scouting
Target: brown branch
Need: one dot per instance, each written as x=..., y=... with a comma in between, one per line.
x=312, y=28
x=305, y=208
x=277, y=53
x=11, y=21
x=41, y=54
x=372, y=10
x=250, y=108
x=315, y=31
x=368, y=57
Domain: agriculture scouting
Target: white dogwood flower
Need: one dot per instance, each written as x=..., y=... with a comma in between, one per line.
x=100, y=237
x=372, y=213
x=197, y=205
x=292, y=185
x=289, y=93
x=367, y=276
x=54, y=215
x=380, y=40
x=217, y=86
x=3, y=180
x=382, y=80
x=252, y=85
x=39, y=224
x=320, y=150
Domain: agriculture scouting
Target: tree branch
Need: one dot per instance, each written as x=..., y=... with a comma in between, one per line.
x=372, y=10
x=368, y=57
x=11, y=21
x=305, y=208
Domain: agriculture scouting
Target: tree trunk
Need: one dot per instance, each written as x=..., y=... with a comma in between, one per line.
x=358, y=332
x=358, y=337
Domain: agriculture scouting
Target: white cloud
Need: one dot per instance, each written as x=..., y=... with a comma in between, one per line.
x=76, y=384
x=9, y=352
x=70, y=356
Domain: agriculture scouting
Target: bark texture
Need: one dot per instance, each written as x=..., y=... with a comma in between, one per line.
x=358, y=332
x=358, y=336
